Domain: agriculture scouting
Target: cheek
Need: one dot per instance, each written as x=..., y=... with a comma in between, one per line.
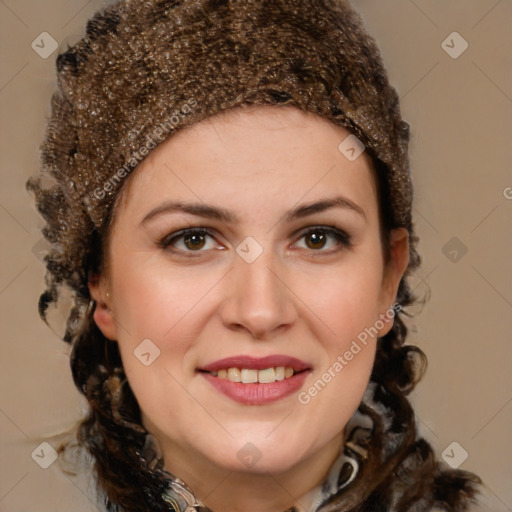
x=342, y=305
x=348, y=308
x=151, y=301
x=345, y=299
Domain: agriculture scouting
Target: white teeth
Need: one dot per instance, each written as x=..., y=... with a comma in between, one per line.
x=234, y=375
x=247, y=376
x=266, y=376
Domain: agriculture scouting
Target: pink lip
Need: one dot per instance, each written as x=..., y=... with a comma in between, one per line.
x=256, y=363
x=256, y=393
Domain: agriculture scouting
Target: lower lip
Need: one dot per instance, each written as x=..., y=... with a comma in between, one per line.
x=255, y=393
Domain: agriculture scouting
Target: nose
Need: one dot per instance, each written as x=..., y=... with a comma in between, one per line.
x=258, y=299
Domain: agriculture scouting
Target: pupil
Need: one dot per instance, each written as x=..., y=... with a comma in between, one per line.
x=194, y=240
x=317, y=239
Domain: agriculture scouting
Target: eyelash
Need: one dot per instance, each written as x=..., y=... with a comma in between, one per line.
x=341, y=237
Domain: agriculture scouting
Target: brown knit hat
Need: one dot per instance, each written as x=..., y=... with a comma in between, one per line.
x=147, y=68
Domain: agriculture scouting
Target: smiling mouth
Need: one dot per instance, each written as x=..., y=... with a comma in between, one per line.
x=252, y=376
x=256, y=380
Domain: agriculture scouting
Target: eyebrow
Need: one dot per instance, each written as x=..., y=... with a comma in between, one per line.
x=229, y=217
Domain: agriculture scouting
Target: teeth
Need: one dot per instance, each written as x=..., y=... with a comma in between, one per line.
x=266, y=376
x=249, y=376
x=234, y=375
x=246, y=376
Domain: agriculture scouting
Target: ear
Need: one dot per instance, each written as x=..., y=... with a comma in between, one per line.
x=393, y=273
x=98, y=288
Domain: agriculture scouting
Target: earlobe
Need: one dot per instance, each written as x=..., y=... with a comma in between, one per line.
x=397, y=265
x=399, y=260
x=102, y=313
x=399, y=254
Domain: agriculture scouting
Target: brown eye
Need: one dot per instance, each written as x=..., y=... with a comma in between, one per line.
x=327, y=238
x=194, y=241
x=315, y=239
x=189, y=240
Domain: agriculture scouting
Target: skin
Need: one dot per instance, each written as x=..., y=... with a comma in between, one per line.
x=298, y=298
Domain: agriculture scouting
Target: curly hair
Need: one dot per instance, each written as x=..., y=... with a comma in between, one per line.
x=203, y=57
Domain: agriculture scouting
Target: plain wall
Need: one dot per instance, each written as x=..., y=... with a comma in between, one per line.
x=460, y=112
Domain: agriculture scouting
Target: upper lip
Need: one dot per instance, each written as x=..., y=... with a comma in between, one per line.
x=256, y=363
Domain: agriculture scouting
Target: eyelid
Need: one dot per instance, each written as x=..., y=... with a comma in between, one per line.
x=338, y=234
x=328, y=228
x=167, y=240
x=343, y=238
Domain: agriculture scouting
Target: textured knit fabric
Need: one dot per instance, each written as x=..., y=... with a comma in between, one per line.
x=146, y=69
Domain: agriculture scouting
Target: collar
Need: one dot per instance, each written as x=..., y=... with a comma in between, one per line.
x=341, y=473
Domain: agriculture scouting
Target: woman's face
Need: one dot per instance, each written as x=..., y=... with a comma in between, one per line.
x=287, y=276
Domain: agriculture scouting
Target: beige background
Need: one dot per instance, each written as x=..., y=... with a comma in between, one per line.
x=460, y=111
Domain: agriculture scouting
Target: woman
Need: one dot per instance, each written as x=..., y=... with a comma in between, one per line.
x=227, y=191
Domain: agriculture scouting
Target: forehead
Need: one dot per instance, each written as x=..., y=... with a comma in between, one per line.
x=252, y=157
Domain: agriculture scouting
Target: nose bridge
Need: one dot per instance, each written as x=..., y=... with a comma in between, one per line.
x=258, y=299
x=259, y=277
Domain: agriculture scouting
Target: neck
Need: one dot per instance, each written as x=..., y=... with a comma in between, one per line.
x=236, y=491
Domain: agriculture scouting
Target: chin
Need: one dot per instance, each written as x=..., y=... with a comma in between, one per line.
x=250, y=459
x=258, y=454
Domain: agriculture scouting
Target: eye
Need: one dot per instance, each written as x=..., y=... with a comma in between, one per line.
x=317, y=238
x=189, y=240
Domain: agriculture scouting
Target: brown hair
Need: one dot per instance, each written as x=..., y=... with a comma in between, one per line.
x=111, y=108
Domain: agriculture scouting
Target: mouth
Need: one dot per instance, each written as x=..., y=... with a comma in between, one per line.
x=249, y=376
x=256, y=381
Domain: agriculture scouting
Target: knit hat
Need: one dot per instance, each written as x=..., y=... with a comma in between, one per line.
x=147, y=68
